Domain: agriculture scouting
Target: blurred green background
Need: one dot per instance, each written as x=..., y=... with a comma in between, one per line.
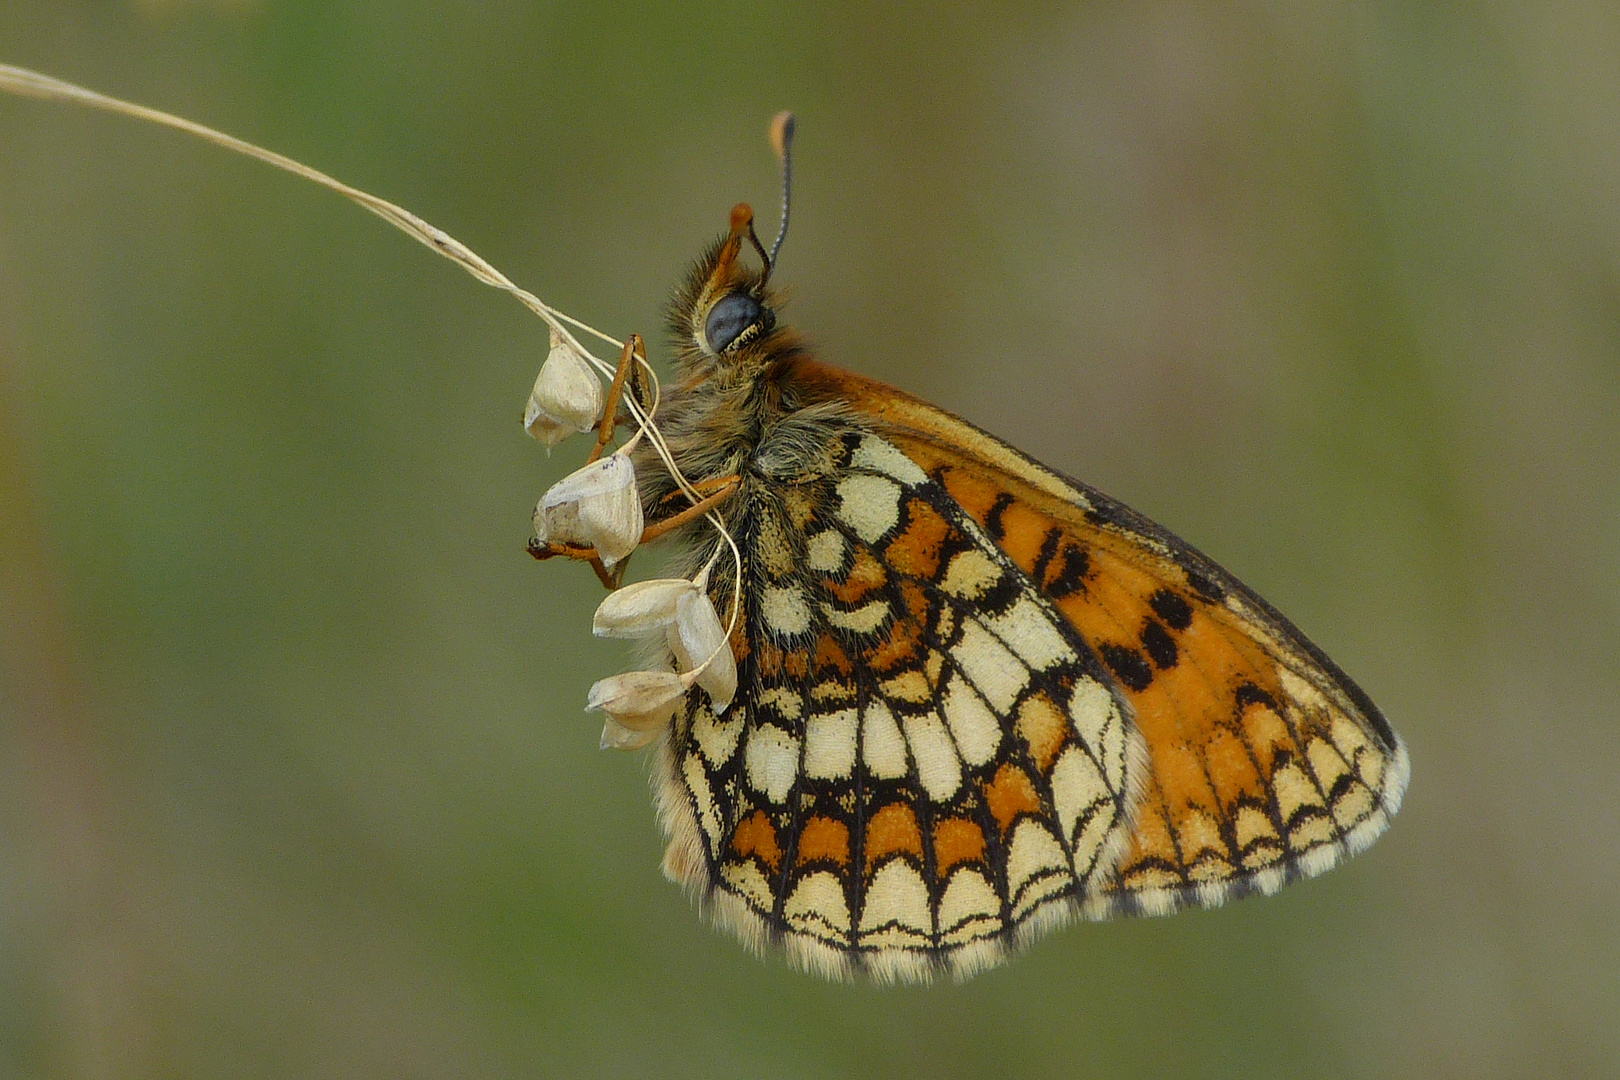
x=294, y=777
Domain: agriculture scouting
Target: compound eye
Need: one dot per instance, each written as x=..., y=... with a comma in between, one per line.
x=729, y=318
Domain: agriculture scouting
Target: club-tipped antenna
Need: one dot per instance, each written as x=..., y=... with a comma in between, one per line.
x=782, y=141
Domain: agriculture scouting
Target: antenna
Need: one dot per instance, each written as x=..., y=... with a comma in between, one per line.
x=782, y=141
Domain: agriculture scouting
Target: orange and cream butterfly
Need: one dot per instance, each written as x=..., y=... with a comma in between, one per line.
x=968, y=698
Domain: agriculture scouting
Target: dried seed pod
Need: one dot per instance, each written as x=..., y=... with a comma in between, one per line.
x=615, y=736
x=639, y=700
x=699, y=641
x=567, y=396
x=641, y=609
x=596, y=506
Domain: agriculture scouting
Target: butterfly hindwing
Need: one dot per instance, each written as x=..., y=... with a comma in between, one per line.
x=924, y=763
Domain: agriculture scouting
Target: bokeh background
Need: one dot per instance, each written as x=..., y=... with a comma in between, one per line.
x=294, y=777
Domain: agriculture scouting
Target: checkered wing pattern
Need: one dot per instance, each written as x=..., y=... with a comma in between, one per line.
x=925, y=763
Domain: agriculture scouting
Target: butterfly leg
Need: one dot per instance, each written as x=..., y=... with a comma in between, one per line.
x=721, y=488
x=634, y=354
x=610, y=579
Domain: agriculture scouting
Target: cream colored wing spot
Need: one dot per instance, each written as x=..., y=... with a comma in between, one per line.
x=869, y=505
x=697, y=783
x=1356, y=805
x=830, y=745
x=785, y=702
x=1080, y=794
x=976, y=730
x=896, y=899
x=1256, y=837
x=1199, y=836
x=1098, y=839
x=1293, y=790
x=869, y=618
x=1037, y=866
x=1042, y=727
x=716, y=739
x=1325, y=763
x=970, y=575
x=1302, y=690
x=1313, y=830
x=772, y=545
x=875, y=455
x=785, y=609
x=994, y=671
x=824, y=552
x=773, y=762
x=1358, y=750
x=817, y=907
x=831, y=692
x=970, y=908
x=908, y=686
x=1095, y=715
x=883, y=748
x=745, y=878
x=1028, y=631
x=938, y=768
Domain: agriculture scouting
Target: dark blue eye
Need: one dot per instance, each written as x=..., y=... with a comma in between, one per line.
x=730, y=317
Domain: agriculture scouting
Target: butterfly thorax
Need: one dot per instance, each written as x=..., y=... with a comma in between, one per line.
x=751, y=408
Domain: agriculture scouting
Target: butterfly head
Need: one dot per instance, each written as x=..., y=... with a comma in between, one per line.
x=727, y=311
x=727, y=307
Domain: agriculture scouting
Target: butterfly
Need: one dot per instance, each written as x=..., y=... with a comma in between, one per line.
x=974, y=698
